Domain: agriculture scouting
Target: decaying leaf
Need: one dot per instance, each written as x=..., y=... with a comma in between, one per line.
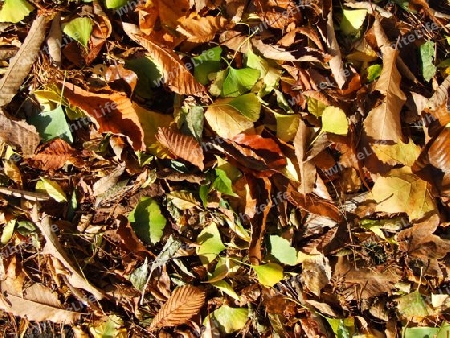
x=184, y=303
x=19, y=134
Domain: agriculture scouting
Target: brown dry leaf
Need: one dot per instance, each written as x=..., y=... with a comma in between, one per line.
x=383, y=122
x=53, y=155
x=175, y=74
x=101, y=30
x=119, y=72
x=112, y=112
x=184, y=303
x=316, y=272
x=314, y=204
x=54, y=40
x=19, y=134
x=182, y=146
x=199, y=29
x=364, y=283
x=307, y=169
x=278, y=53
x=21, y=64
x=54, y=248
x=39, y=303
x=336, y=63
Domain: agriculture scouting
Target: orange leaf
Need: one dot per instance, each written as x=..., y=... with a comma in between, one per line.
x=184, y=303
x=183, y=146
x=53, y=155
x=112, y=112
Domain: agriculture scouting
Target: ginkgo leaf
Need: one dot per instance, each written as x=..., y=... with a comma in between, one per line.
x=397, y=153
x=231, y=319
x=79, y=29
x=225, y=120
x=269, y=274
x=239, y=81
x=200, y=28
x=182, y=146
x=334, y=121
x=206, y=63
x=403, y=191
x=52, y=188
x=112, y=112
x=184, y=303
x=383, y=122
x=175, y=74
x=15, y=10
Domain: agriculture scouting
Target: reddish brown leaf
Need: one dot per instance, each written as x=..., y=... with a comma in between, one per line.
x=111, y=112
x=182, y=146
x=184, y=303
x=53, y=155
x=101, y=31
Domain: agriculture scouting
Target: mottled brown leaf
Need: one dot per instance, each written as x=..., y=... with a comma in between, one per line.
x=19, y=134
x=53, y=155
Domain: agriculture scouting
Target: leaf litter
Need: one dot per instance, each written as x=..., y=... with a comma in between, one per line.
x=225, y=168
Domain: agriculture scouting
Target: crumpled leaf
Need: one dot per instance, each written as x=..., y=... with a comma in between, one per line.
x=19, y=134
x=200, y=28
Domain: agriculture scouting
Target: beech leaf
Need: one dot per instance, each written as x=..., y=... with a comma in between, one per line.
x=269, y=274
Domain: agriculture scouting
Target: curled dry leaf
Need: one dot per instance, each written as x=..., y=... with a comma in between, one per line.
x=101, y=31
x=182, y=146
x=110, y=112
x=184, y=303
x=20, y=65
x=201, y=29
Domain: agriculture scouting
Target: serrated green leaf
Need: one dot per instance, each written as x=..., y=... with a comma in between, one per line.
x=15, y=10
x=230, y=319
x=222, y=183
x=281, y=249
x=352, y=20
x=334, y=121
x=239, y=81
x=427, y=58
x=147, y=220
x=52, y=124
x=52, y=188
x=210, y=243
x=79, y=29
x=268, y=274
x=206, y=63
x=248, y=105
x=270, y=74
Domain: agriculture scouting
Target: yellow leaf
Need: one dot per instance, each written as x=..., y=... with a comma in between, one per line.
x=52, y=188
x=404, y=153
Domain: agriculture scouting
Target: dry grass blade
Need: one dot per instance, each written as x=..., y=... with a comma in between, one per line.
x=184, y=303
x=19, y=134
x=183, y=146
x=20, y=65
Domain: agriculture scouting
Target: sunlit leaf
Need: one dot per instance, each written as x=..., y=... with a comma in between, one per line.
x=147, y=220
x=427, y=51
x=210, y=242
x=281, y=249
x=79, y=29
x=334, y=121
x=52, y=188
x=15, y=10
x=230, y=319
x=269, y=274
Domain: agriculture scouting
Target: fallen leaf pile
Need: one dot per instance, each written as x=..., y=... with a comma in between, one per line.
x=227, y=168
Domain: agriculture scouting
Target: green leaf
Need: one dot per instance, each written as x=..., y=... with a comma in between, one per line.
x=334, y=121
x=115, y=3
x=268, y=274
x=239, y=81
x=8, y=231
x=342, y=328
x=192, y=122
x=270, y=74
x=373, y=72
x=147, y=220
x=412, y=305
x=315, y=106
x=206, y=63
x=248, y=105
x=230, y=319
x=420, y=332
x=52, y=188
x=139, y=276
x=15, y=10
x=148, y=73
x=287, y=126
x=352, y=20
x=52, y=124
x=210, y=243
x=79, y=29
x=222, y=183
x=226, y=288
x=281, y=249
x=427, y=57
